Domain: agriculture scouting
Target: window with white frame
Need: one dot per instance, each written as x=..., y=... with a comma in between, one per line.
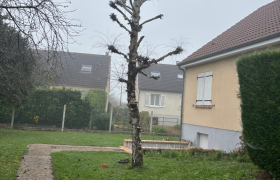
x=155, y=100
x=157, y=74
x=180, y=76
x=86, y=68
x=204, y=88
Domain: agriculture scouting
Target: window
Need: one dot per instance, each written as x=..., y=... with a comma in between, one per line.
x=204, y=88
x=155, y=74
x=180, y=76
x=155, y=100
x=86, y=68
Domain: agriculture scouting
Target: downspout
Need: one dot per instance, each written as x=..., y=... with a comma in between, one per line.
x=182, y=104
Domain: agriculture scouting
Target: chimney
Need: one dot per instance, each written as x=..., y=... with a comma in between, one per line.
x=107, y=53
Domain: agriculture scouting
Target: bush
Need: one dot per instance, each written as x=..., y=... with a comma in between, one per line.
x=103, y=122
x=177, y=126
x=159, y=130
x=259, y=79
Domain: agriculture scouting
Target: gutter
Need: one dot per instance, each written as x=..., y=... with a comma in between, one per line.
x=182, y=104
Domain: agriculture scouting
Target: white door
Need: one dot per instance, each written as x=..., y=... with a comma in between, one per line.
x=203, y=141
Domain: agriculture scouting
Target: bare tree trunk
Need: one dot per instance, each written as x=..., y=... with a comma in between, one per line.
x=133, y=8
x=137, y=155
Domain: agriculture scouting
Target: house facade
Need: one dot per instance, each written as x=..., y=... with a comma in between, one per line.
x=84, y=72
x=162, y=96
x=211, y=104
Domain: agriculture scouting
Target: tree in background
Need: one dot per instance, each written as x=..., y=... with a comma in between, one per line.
x=133, y=57
x=44, y=25
x=16, y=65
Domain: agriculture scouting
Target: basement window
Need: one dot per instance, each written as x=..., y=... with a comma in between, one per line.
x=86, y=68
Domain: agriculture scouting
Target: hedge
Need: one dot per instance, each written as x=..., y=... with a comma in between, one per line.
x=97, y=99
x=48, y=105
x=259, y=79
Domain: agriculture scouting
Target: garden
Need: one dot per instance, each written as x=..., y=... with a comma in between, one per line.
x=87, y=165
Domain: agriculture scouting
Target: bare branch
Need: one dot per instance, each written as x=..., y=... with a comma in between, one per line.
x=140, y=40
x=123, y=80
x=157, y=17
x=127, y=8
x=131, y=4
x=152, y=77
x=114, y=6
x=114, y=18
x=114, y=50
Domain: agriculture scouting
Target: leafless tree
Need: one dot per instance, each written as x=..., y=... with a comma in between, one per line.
x=45, y=25
x=136, y=63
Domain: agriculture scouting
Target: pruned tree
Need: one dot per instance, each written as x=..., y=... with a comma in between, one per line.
x=45, y=26
x=131, y=11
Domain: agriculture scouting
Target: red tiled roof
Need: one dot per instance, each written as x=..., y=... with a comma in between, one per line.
x=260, y=25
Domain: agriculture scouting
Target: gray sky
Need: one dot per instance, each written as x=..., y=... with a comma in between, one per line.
x=198, y=21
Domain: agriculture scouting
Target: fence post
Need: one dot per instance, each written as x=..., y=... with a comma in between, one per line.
x=64, y=110
x=151, y=122
x=163, y=122
x=13, y=118
x=111, y=115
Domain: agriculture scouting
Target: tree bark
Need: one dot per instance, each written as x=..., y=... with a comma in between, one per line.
x=137, y=156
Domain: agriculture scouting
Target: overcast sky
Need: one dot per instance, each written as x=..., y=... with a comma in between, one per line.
x=197, y=21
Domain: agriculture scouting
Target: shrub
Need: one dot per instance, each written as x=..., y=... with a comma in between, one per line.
x=177, y=126
x=103, y=122
x=259, y=77
x=159, y=130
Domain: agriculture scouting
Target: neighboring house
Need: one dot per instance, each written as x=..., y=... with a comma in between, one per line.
x=162, y=96
x=211, y=103
x=85, y=71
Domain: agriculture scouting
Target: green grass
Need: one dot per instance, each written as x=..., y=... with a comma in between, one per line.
x=169, y=165
x=13, y=144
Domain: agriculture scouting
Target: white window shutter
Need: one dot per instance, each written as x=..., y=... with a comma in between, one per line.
x=200, y=89
x=208, y=88
x=162, y=101
x=147, y=99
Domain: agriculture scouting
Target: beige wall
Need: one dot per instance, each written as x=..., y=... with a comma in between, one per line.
x=226, y=112
x=171, y=104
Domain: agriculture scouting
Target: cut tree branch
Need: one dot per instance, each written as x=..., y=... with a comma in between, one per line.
x=152, y=77
x=157, y=17
x=140, y=40
x=123, y=80
x=114, y=6
x=114, y=50
x=114, y=18
x=127, y=8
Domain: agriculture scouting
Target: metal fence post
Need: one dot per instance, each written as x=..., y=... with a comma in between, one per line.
x=13, y=118
x=111, y=115
x=62, y=128
x=151, y=122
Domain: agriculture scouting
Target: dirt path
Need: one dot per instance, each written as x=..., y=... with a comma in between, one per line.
x=36, y=164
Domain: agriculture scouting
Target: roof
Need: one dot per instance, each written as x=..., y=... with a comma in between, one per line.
x=261, y=25
x=168, y=80
x=73, y=76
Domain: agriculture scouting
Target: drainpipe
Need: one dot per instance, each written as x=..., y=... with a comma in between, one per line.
x=182, y=104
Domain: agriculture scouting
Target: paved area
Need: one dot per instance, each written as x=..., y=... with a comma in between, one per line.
x=36, y=163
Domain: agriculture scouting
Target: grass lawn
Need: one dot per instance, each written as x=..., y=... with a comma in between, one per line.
x=13, y=144
x=174, y=165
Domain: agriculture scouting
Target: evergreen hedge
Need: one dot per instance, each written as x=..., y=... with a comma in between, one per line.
x=48, y=104
x=259, y=79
